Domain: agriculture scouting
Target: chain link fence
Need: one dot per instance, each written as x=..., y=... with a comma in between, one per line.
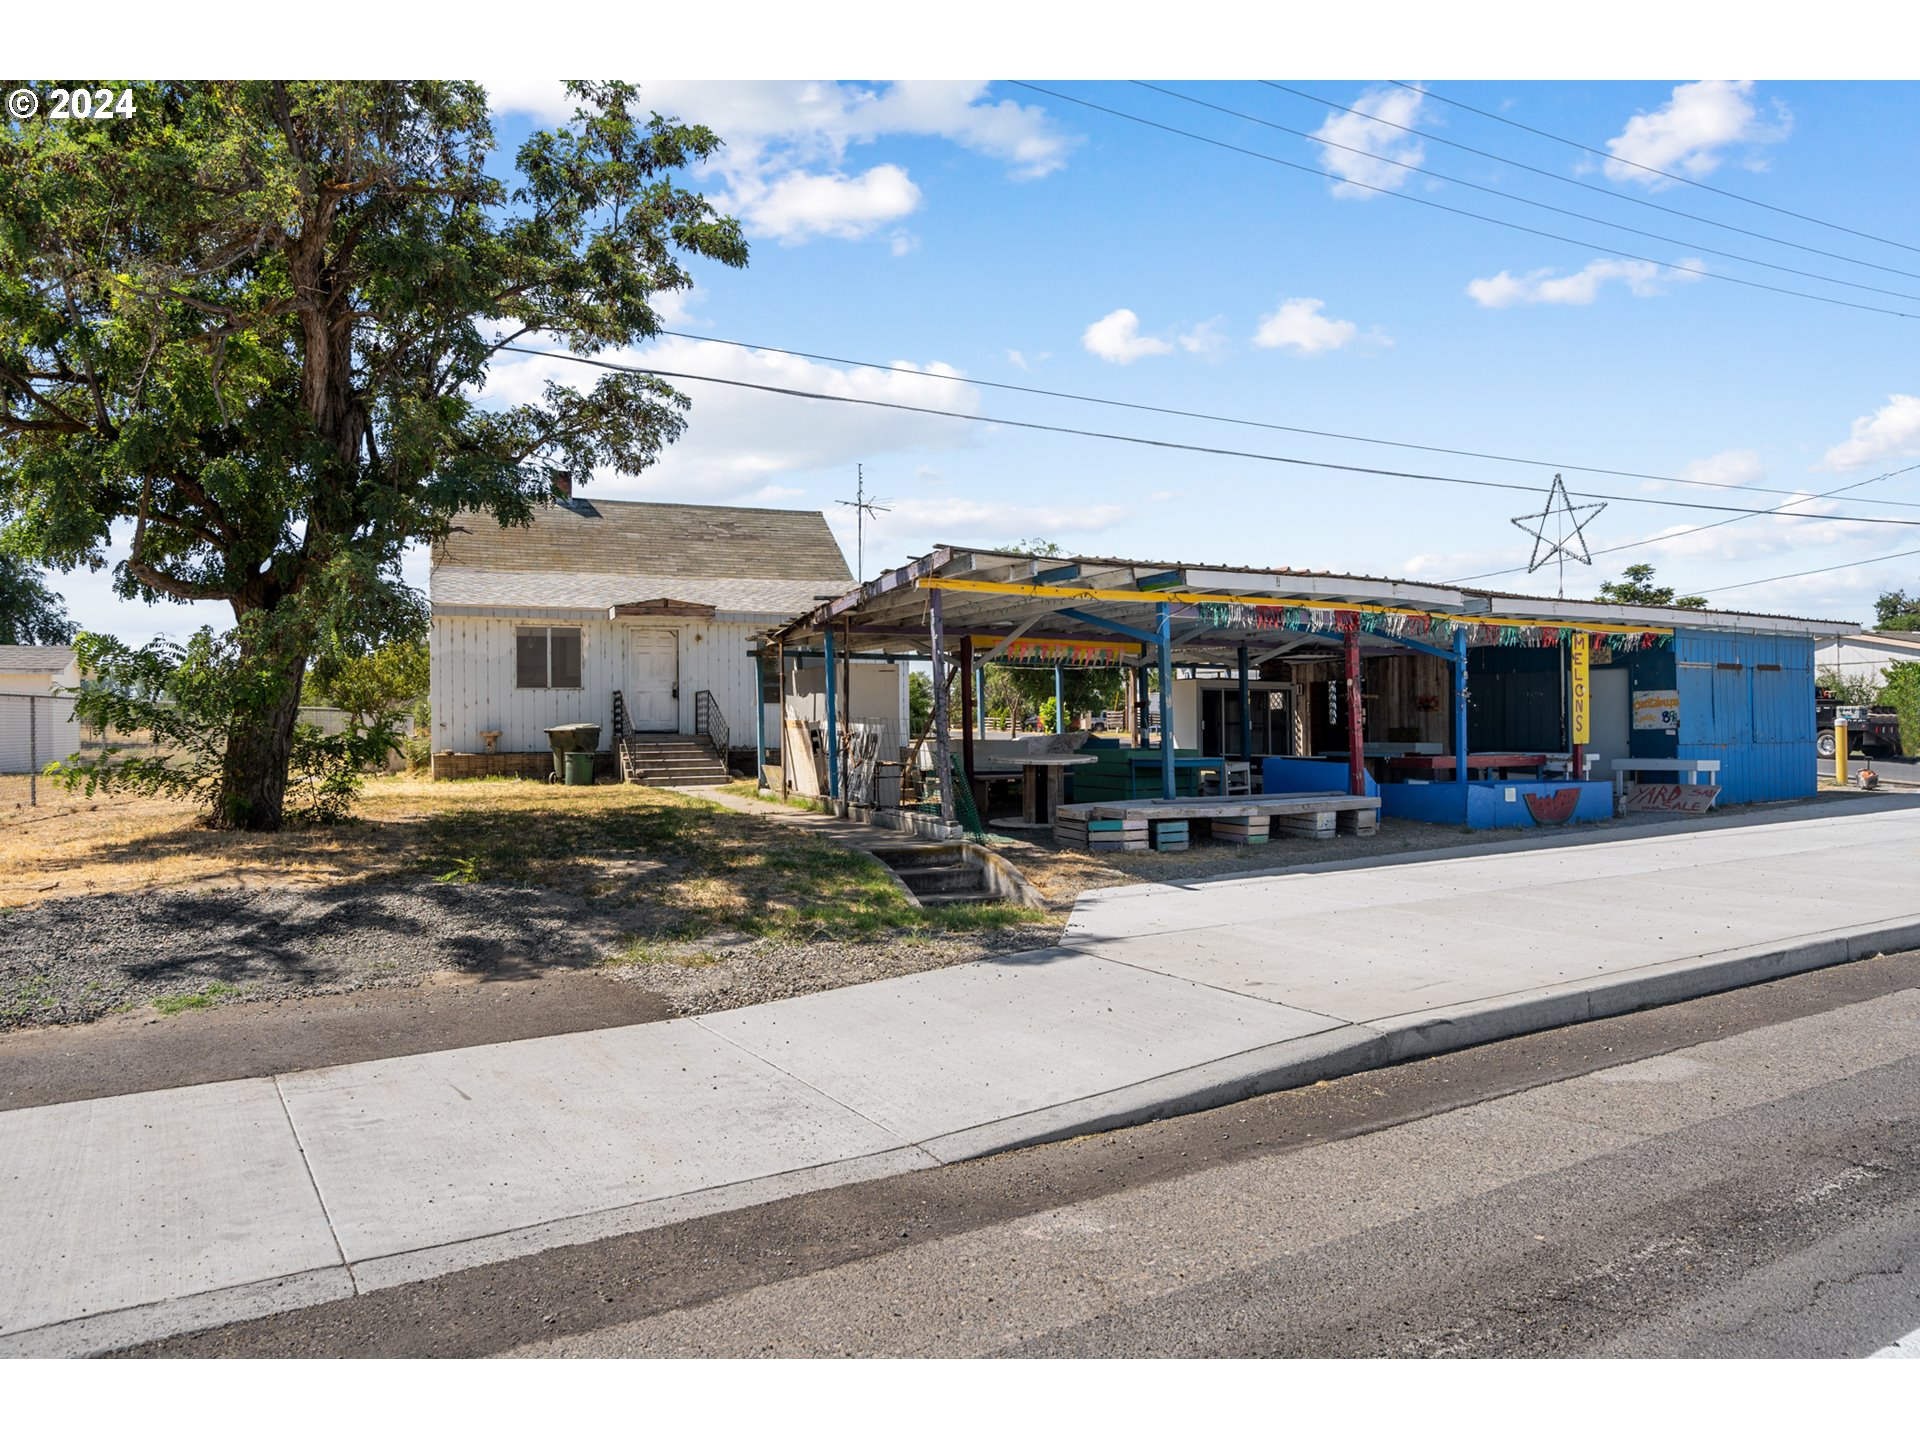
x=36, y=731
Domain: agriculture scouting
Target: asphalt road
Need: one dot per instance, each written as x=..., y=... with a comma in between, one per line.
x=1738, y=1175
x=1905, y=770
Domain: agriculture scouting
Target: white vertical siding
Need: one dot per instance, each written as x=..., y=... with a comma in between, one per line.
x=472, y=678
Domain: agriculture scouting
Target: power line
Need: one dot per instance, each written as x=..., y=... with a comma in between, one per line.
x=1800, y=574
x=1584, y=185
x=1457, y=210
x=1241, y=420
x=1168, y=444
x=1711, y=524
x=1522, y=199
x=1652, y=170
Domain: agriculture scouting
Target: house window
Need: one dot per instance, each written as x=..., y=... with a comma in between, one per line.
x=546, y=657
x=769, y=680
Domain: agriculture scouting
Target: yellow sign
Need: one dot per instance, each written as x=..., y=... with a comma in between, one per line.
x=1581, y=712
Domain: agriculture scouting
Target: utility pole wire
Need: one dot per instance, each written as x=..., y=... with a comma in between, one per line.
x=1263, y=456
x=1457, y=210
x=1585, y=185
x=1664, y=174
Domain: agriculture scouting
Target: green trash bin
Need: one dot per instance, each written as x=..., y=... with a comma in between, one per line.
x=579, y=767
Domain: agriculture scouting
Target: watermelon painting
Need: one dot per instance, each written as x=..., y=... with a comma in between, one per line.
x=1554, y=809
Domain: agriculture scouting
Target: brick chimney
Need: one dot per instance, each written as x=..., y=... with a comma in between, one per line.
x=563, y=484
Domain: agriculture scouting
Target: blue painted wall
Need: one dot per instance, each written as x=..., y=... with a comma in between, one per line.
x=1283, y=775
x=1747, y=701
x=1483, y=804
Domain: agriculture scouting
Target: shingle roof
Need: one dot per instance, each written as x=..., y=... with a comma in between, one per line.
x=627, y=537
x=578, y=590
x=35, y=659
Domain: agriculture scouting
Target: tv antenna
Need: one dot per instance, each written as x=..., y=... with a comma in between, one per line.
x=1569, y=521
x=862, y=507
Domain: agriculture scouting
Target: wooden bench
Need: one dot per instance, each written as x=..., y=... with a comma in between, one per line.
x=1235, y=819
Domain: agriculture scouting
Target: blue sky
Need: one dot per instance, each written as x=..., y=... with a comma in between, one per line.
x=990, y=233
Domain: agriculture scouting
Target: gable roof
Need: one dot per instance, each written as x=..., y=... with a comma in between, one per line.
x=630, y=537
x=35, y=659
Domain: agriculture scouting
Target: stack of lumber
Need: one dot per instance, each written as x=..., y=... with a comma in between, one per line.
x=1241, y=829
x=1319, y=826
x=1168, y=834
x=1072, y=825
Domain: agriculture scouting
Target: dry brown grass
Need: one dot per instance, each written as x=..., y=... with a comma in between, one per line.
x=695, y=867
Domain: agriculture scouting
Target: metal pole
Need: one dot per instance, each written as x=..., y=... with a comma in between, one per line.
x=786, y=760
x=1356, y=728
x=833, y=726
x=942, y=746
x=1059, y=705
x=1164, y=613
x=33, y=752
x=1459, y=702
x=1246, y=713
x=972, y=693
x=760, y=718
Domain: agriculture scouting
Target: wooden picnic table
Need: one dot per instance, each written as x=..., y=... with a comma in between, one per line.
x=1485, y=762
x=1043, y=784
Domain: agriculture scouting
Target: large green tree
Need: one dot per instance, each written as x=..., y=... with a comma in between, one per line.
x=1897, y=610
x=30, y=613
x=1636, y=587
x=252, y=321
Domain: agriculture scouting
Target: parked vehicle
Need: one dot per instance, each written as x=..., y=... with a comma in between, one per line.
x=1872, y=730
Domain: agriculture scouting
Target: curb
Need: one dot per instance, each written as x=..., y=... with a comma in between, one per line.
x=1351, y=1049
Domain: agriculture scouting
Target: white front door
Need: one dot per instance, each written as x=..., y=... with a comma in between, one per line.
x=653, y=679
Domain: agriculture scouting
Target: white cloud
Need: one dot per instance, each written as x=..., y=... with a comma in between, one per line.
x=1690, y=131
x=783, y=167
x=1116, y=337
x=1891, y=432
x=800, y=205
x=1582, y=287
x=903, y=242
x=1020, y=361
x=1299, y=326
x=1203, y=339
x=738, y=441
x=1381, y=144
x=1728, y=467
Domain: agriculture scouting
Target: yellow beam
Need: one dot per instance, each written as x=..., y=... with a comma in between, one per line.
x=1198, y=597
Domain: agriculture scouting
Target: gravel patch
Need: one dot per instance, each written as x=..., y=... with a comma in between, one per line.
x=78, y=959
x=74, y=960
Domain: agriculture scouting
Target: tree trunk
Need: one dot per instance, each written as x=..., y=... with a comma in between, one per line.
x=253, y=782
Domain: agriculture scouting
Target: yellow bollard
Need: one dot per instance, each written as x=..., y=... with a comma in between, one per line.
x=1840, y=752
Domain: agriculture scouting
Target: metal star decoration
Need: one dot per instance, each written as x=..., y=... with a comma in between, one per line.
x=1568, y=542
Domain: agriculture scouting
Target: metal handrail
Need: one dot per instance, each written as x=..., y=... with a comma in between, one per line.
x=708, y=720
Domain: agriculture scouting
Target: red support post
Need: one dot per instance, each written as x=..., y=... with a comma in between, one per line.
x=1356, y=750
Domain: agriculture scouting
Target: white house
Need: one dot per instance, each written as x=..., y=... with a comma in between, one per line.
x=41, y=728
x=1865, y=654
x=540, y=626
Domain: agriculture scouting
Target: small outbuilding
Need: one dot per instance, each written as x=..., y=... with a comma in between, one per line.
x=1450, y=704
x=37, y=723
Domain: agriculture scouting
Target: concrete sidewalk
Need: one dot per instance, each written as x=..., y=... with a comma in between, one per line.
x=137, y=1216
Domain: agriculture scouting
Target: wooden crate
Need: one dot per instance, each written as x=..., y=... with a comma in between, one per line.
x=1239, y=829
x=1314, y=827
x=1169, y=835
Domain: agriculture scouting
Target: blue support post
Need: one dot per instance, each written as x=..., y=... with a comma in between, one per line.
x=1165, y=637
x=1059, y=705
x=1246, y=713
x=833, y=725
x=1459, y=703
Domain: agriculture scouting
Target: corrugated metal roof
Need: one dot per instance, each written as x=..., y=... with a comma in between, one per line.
x=607, y=537
x=599, y=590
x=35, y=659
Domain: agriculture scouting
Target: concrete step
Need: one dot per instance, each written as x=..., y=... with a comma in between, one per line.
x=927, y=880
x=961, y=897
